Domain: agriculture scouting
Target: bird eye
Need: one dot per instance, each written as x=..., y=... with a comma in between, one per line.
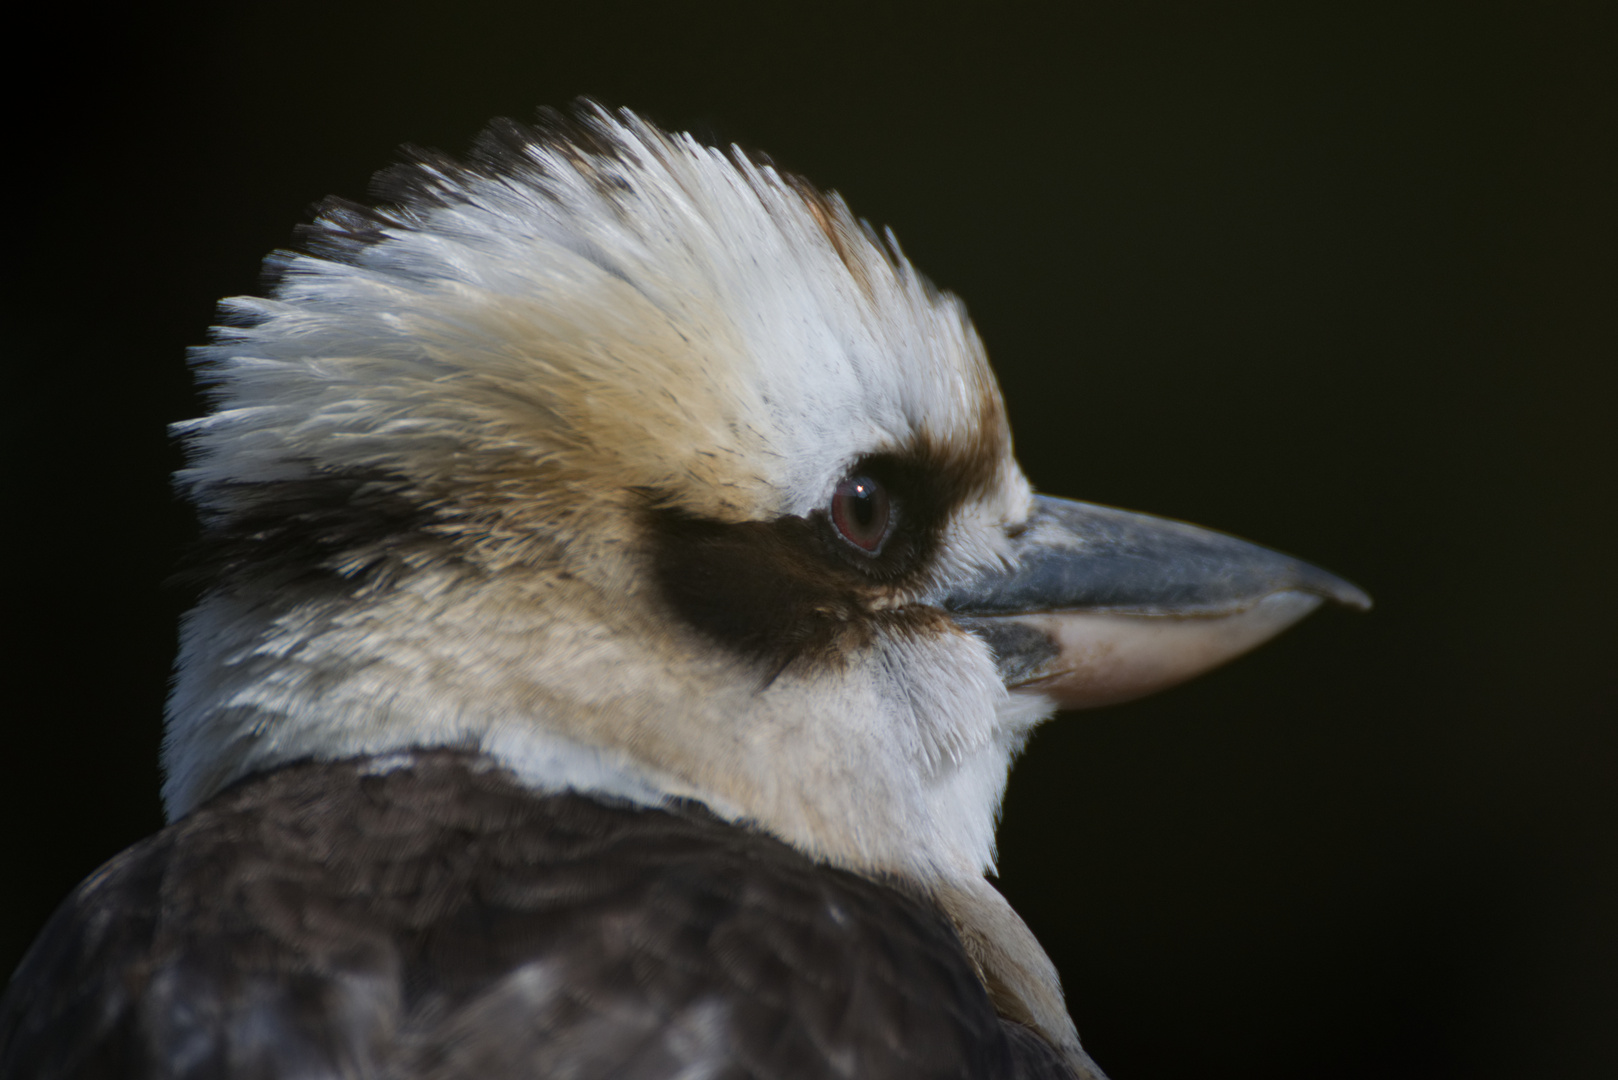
x=861, y=511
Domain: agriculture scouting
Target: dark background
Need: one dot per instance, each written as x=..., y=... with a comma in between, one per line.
x=1341, y=281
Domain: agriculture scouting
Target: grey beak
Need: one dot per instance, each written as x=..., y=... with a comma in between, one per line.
x=1103, y=605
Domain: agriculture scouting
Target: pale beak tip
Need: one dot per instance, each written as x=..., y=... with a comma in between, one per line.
x=1333, y=588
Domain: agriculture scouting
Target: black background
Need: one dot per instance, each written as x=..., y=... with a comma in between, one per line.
x=1337, y=278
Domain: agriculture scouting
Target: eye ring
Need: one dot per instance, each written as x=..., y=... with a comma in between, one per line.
x=862, y=512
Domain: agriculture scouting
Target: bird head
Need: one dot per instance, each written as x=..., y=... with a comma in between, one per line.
x=646, y=469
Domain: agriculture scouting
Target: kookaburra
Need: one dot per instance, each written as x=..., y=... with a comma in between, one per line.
x=622, y=610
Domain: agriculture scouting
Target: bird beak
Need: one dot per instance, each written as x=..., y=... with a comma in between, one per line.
x=1102, y=605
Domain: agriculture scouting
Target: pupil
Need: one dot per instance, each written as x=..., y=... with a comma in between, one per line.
x=864, y=505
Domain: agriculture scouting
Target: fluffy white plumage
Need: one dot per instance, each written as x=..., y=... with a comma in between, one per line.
x=534, y=354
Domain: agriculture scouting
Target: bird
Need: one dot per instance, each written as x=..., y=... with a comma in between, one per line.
x=620, y=609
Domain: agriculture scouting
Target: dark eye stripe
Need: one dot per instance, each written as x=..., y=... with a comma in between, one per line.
x=811, y=589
